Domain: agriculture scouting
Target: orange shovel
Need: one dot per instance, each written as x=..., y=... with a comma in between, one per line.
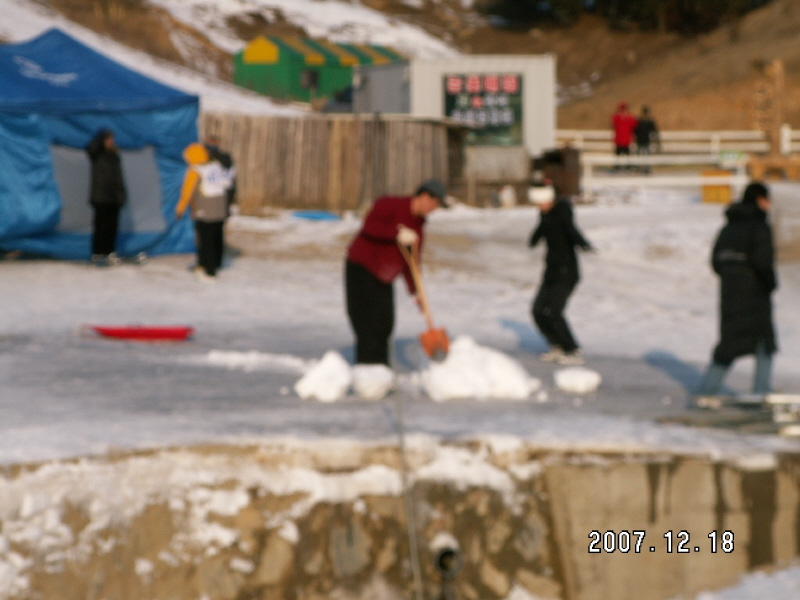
x=434, y=341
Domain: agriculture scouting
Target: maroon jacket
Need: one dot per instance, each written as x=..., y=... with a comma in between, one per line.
x=375, y=246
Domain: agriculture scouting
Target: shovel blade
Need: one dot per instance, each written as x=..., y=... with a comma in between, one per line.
x=435, y=343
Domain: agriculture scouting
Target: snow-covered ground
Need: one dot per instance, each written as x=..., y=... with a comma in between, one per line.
x=645, y=312
x=778, y=585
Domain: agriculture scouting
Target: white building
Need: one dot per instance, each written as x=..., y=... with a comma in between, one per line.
x=508, y=100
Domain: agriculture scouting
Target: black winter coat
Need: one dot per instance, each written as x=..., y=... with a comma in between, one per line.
x=557, y=227
x=743, y=257
x=107, y=186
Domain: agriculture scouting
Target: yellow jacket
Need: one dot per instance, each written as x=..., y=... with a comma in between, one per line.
x=194, y=154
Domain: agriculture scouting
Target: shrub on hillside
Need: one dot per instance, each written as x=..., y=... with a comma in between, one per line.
x=687, y=17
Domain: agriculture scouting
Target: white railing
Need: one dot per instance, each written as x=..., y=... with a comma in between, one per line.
x=790, y=140
x=626, y=171
x=682, y=142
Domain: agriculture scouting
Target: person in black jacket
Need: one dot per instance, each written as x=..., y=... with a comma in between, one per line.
x=744, y=259
x=106, y=195
x=561, y=274
x=646, y=134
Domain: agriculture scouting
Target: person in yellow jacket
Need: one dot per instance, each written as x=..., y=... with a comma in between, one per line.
x=205, y=190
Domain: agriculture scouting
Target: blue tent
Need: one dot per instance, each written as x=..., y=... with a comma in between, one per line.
x=55, y=94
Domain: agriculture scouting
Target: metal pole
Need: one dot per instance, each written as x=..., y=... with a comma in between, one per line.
x=413, y=550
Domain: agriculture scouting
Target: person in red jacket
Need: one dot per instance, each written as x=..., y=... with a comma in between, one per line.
x=624, y=124
x=374, y=260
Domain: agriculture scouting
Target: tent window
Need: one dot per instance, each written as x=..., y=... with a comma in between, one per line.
x=142, y=212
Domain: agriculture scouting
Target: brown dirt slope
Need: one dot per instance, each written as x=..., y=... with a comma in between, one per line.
x=706, y=82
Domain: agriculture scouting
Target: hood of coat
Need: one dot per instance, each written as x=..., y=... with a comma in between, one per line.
x=741, y=211
x=97, y=145
x=195, y=154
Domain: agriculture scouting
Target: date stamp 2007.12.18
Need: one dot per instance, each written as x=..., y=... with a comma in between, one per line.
x=678, y=542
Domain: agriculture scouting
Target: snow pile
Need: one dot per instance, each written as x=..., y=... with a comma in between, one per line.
x=469, y=371
x=474, y=371
x=464, y=469
x=577, y=380
x=780, y=585
x=372, y=382
x=12, y=566
x=326, y=381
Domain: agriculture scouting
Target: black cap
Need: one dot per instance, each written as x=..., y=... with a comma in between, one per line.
x=434, y=188
x=753, y=192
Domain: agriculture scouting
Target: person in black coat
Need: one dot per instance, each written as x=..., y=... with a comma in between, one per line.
x=646, y=134
x=557, y=227
x=106, y=195
x=744, y=259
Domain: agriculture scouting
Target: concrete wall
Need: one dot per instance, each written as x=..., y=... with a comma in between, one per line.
x=382, y=89
x=497, y=164
x=786, y=218
x=329, y=520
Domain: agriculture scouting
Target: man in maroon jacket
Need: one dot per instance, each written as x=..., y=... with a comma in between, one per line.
x=374, y=260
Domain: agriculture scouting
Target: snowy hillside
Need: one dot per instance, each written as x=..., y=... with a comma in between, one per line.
x=23, y=20
x=345, y=22
x=338, y=21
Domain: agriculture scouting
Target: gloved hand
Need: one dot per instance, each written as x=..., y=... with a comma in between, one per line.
x=407, y=236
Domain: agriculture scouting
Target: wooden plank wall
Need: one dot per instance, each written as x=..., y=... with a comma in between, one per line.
x=328, y=162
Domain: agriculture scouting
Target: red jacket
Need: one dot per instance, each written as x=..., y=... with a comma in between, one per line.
x=375, y=246
x=624, y=124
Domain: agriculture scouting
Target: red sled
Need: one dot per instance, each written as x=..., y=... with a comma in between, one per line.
x=145, y=333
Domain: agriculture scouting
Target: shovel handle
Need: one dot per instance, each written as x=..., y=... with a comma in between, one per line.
x=411, y=256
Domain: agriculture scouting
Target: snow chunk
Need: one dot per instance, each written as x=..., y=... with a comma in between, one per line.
x=210, y=534
x=474, y=371
x=779, y=585
x=519, y=592
x=289, y=532
x=326, y=381
x=241, y=565
x=143, y=567
x=577, y=380
x=464, y=469
x=443, y=540
x=11, y=580
x=372, y=382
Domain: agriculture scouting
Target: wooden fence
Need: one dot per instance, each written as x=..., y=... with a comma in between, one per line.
x=332, y=162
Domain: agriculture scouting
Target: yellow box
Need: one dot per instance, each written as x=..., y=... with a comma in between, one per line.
x=719, y=194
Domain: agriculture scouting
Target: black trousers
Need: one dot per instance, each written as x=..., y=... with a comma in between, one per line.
x=210, y=245
x=548, y=313
x=370, y=306
x=106, y=224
